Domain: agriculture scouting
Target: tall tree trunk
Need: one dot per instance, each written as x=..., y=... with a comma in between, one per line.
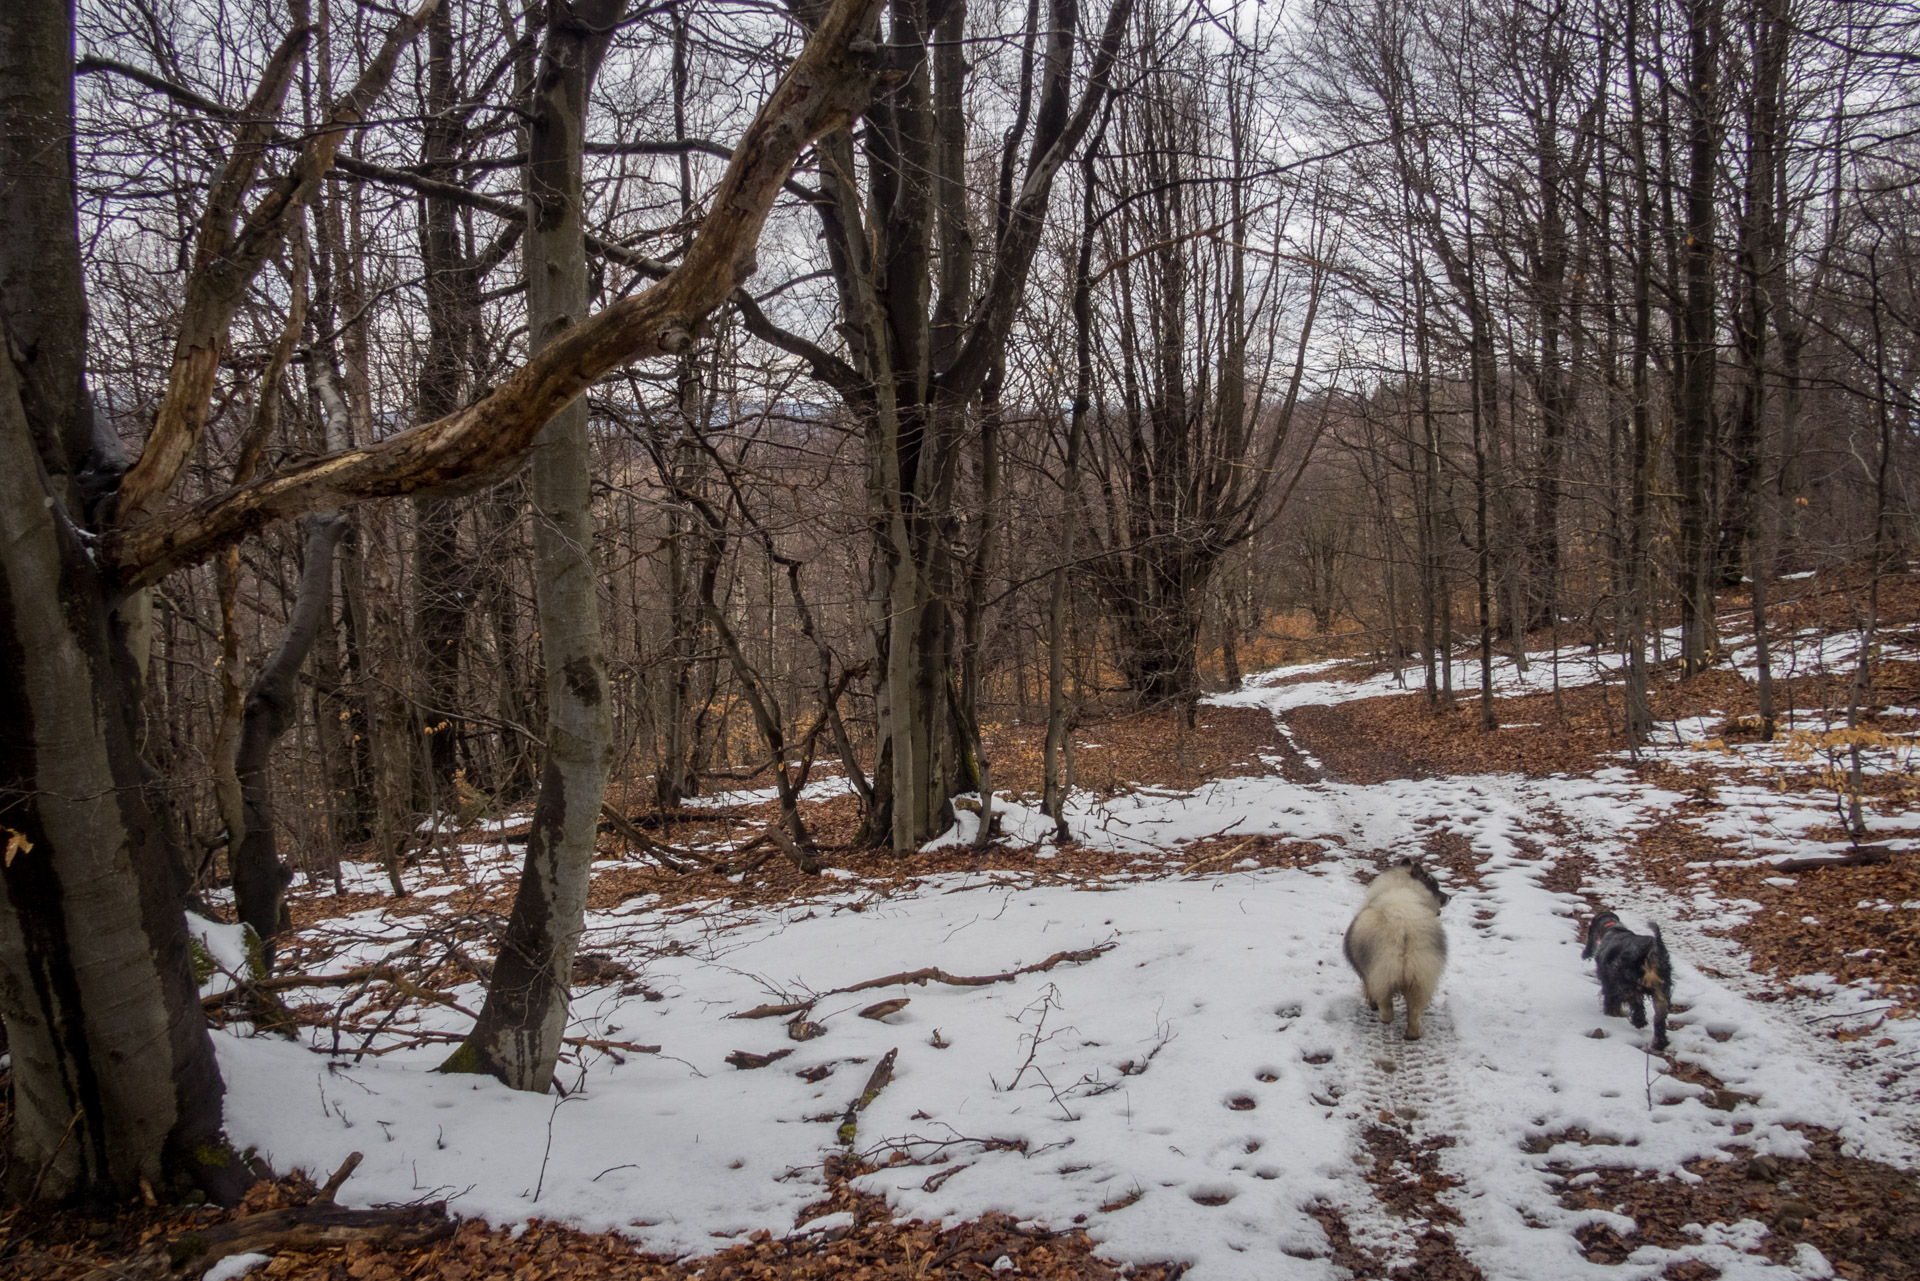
x=259, y=877
x=113, y=1071
x=1054, y=796
x=1698, y=355
x=517, y=1037
x=114, y=1074
x=441, y=580
x=1639, y=714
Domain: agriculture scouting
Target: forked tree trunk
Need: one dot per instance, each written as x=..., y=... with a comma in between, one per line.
x=114, y=1074
x=114, y=1078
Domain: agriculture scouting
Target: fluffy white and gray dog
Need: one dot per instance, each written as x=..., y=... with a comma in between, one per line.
x=1396, y=944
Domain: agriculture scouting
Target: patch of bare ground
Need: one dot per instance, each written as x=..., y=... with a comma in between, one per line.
x=1864, y=1216
x=1142, y=749
x=137, y=1243
x=1406, y=1178
x=1373, y=740
x=1148, y=749
x=1829, y=920
x=1455, y=853
x=1357, y=1261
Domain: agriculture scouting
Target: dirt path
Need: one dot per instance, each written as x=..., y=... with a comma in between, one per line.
x=1430, y=1176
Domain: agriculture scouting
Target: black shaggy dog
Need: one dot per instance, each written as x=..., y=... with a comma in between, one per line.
x=1632, y=967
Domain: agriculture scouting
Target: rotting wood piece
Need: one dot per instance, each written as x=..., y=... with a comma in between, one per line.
x=312, y=1227
x=317, y=1224
x=773, y=1011
x=747, y=1060
x=1864, y=856
x=881, y=1076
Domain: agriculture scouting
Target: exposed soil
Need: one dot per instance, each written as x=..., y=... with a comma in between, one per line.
x=1862, y=1215
x=134, y=1244
x=1144, y=749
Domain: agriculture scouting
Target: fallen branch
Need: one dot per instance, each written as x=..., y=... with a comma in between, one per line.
x=319, y=1223
x=313, y=1227
x=882, y=1074
x=1864, y=856
x=423, y=1036
x=922, y=977
x=801, y=858
x=1215, y=858
x=347, y=978
x=340, y=1176
x=666, y=855
x=933, y=974
x=773, y=1011
x=747, y=1060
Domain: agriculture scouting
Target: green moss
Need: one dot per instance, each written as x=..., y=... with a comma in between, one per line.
x=256, y=953
x=203, y=966
x=209, y=1154
x=187, y=1248
x=464, y=1059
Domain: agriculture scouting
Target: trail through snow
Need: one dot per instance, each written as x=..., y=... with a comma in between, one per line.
x=1191, y=1094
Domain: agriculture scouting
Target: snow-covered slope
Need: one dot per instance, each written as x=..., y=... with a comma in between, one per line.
x=1188, y=1094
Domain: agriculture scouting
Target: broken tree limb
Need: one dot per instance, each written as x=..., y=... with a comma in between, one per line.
x=669, y=855
x=747, y=1060
x=1215, y=858
x=773, y=1011
x=800, y=857
x=422, y=1036
x=882, y=1074
x=932, y=974
x=1864, y=856
x=340, y=1176
x=346, y=978
x=312, y=1227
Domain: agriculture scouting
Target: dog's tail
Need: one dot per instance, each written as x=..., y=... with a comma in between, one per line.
x=1657, y=979
x=1656, y=975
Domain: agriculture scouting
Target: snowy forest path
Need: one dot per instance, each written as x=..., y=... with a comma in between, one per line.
x=1462, y=1142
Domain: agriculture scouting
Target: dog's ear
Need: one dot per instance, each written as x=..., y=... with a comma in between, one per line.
x=1596, y=929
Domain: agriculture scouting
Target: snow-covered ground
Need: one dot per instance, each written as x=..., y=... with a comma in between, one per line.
x=1187, y=1094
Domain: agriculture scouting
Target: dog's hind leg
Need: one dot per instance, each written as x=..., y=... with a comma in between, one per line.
x=1660, y=1006
x=1639, y=1009
x=1416, y=1006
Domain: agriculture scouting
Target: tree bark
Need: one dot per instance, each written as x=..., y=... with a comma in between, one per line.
x=1695, y=431
x=259, y=877
x=517, y=1036
x=114, y=1074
